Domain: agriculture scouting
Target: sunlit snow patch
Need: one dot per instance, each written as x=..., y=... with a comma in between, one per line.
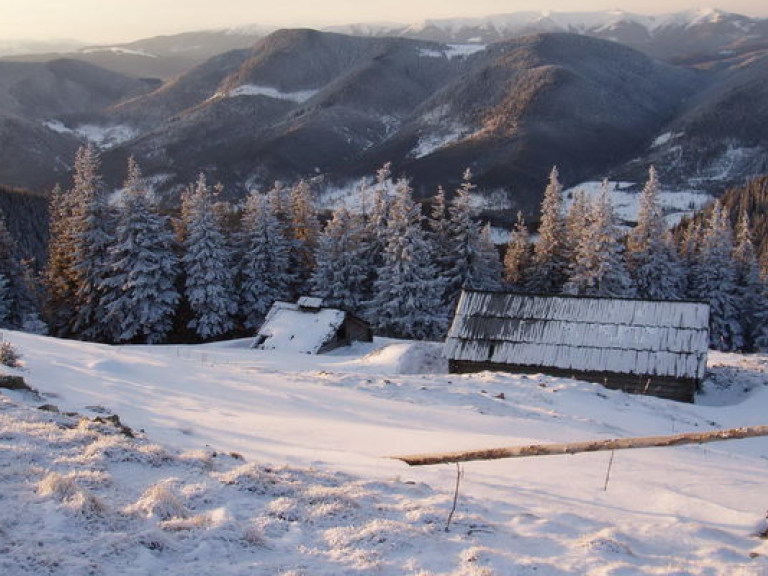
x=432, y=142
x=269, y=92
x=408, y=358
x=452, y=51
x=665, y=138
x=106, y=136
x=103, y=137
x=118, y=50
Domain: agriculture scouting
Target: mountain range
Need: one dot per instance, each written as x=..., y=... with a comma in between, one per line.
x=601, y=94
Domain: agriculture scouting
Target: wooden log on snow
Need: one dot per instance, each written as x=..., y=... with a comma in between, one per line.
x=589, y=446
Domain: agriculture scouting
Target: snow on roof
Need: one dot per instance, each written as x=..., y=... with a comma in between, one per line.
x=287, y=327
x=578, y=333
x=310, y=302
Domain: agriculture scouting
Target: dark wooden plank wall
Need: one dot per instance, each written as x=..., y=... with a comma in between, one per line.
x=681, y=390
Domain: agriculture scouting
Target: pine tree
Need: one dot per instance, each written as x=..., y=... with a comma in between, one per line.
x=265, y=273
x=407, y=291
x=518, y=255
x=651, y=255
x=714, y=281
x=341, y=273
x=142, y=292
x=598, y=267
x=549, y=264
x=209, y=284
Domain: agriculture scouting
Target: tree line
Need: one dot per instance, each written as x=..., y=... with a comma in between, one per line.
x=582, y=251
x=119, y=269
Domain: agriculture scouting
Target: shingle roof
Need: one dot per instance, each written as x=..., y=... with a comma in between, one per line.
x=626, y=336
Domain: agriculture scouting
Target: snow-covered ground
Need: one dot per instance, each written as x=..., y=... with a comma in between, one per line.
x=451, y=51
x=267, y=462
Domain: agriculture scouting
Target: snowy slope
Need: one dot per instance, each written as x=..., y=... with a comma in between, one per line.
x=315, y=493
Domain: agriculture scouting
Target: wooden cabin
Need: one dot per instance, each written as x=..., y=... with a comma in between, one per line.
x=307, y=326
x=639, y=346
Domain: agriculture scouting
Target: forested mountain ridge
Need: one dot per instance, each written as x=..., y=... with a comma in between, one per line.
x=332, y=108
x=26, y=216
x=303, y=103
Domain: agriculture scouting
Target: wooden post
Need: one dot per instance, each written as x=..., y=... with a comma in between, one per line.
x=589, y=446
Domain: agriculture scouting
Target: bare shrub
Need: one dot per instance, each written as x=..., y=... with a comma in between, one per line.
x=160, y=502
x=65, y=490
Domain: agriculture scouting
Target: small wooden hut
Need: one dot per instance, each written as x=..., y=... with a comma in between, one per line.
x=639, y=346
x=307, y=326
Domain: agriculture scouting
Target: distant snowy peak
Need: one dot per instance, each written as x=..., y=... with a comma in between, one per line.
x=681, y=31
x=547, y=20
x=118, y=50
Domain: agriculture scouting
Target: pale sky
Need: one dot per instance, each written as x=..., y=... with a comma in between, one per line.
x=105, y=21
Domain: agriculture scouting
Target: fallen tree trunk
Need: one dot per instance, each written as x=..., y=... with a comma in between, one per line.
x=589, y=446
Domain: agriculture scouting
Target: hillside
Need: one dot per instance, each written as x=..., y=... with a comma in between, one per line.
x=302, y=103
x=262, y=462
x=36, y=99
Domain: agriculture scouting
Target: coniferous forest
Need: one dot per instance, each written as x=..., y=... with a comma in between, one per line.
x=120, y=269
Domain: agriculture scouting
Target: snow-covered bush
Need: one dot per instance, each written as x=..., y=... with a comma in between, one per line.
x=9, y=355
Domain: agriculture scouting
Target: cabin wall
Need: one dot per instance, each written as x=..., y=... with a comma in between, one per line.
x=680, y=389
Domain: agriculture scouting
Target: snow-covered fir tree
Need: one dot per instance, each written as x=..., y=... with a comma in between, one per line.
x=651, y=254
x=60, y=276
x=488, y=269
x=143, y=264
x=209, y=284
x=377, y=202
x=576, y=223
x=93, y=234
x=341, y=273
x=598, y=267
x=517, y=258
x=689, y=249
x=549, y=264
x=265, y=264
x=474, y=260
x=750, y=289
x=407, y=295
x=440, y=233
x=713, y=279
